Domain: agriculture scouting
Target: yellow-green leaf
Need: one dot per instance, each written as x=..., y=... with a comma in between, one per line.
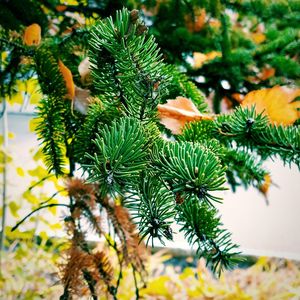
x=33, y=123
x=11, y=135
x=55, y=226
x=14, y=207
x=157, y=287
x=38, y=155
x=43, y=235
x=20, y=171
x=38, y=172
x=8, y=157
x=30, y=198
x=53, y=209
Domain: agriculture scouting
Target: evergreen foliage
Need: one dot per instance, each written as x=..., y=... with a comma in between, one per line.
x=120, y=156
x=152, y=206
x=203, y=27
x=137, y=67
x=138, y=175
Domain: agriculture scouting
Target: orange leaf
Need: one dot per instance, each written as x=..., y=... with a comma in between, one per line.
x=61, y=8
x=68, y=78
x=214, y=23
x=213, y=54
x=201, y=58
x=264, y=188
x=276, y=103
x=267, y=73
x=32, y=35
x=197, y=23
x=176, y=113
x=238, y=97
x=258, y=37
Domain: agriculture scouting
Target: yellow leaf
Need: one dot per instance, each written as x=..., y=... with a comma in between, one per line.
x=176, y=113
x=17, y=234
x=33, y=123
x=157, y=287
x=276, y=103
x=20, y=171
x=38, y=172
x=8, y=157
x=53, y=209
x=258, y=37
x=109, y=238
x=16, y=98
x=55, y=226
x=4, y=55
x=70, y=2
x=262, y=262
x=11, y=135
x=1, y=211
x=14, y=207
x=31, y=86
x=21, y=84
x=68, y=78
x=38, y=155
x=188, y=272
x=44, y=235
x=32, y=35
x=30, y=197
x=35, y=98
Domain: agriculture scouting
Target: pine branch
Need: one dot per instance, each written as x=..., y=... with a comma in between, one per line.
x=245, y=166
x=152, y=208
x=135, y=65
x=47, y=67
x=198, y=132
x=181, y=85
x=86, y=134
x=202, y=227
x=120, y=156
x=51, y=132
x=253, y=131
x=239, y=163
x=283, y=40
x=192, y=170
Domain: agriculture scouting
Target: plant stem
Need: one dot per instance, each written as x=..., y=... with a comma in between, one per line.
x=4, y=203
x=137, y=295
x=37, y=209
